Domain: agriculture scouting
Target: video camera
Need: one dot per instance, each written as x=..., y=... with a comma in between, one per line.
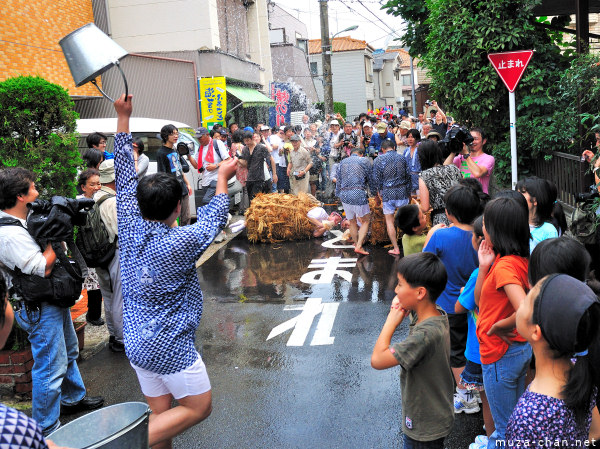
x=454, y=140
x=53, y=221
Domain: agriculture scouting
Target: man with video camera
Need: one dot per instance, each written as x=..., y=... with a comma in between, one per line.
x=469, y=157
x=57, y=384
x=347, y=140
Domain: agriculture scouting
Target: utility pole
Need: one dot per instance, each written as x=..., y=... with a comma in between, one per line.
x=326, y=58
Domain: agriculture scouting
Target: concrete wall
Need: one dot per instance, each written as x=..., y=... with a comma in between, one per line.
x=233, y=28
x=30, y=31
x=349, y=80
x=289, y=64
x=148, y=25
x=258, y=37
x=279, y=18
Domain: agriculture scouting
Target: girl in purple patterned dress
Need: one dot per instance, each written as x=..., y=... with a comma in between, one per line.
x=559, y=318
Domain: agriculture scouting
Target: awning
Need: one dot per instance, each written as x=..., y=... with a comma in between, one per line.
x=249, y=97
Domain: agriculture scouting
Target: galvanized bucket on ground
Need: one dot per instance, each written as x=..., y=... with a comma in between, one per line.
x=116, y=427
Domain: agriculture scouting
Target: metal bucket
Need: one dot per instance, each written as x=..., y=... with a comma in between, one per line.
x=116, y=427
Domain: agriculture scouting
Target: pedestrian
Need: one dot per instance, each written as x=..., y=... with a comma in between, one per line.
x=471, y=377
x=88, y=184
x=167, y=161
x=254, y=156
x=412, y=157
x=543, y=209
x=211, y=154
x=161, y=289
x=559, y=319
x=299, y=166
x=392, y=183
x=98, y=141
x=503, y=263
x=57, y=384
x=453, y=245
x=411, y=220
x=109, y=277
x=17, y=430
x=425, y=377
x=473, y=162
x=141, y=160
x=435, y=180
x=352, y=178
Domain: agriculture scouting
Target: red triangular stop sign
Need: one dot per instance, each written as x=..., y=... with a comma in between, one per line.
x=510, y=66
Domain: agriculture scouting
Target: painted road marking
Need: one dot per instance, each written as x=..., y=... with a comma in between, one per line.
x=328, y=268
x=302, y=323
x=331, y=243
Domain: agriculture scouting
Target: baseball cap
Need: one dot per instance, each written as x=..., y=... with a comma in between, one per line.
x=264, y=128
x=107, y=171
x=381, y=127
x=404, y=124
x=369, y=124
x=201, y=131
x=334, y=122
x=295, y=138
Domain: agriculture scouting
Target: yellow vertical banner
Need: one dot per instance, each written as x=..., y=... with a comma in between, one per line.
x=213, y=101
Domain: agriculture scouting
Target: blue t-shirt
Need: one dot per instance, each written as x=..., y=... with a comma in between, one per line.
x=545, y=231
x=453, y=246
x=467, y=300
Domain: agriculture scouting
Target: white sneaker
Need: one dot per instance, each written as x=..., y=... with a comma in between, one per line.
x=478, y=396
x=482, y=440
x=467, y=404
x=477, y=446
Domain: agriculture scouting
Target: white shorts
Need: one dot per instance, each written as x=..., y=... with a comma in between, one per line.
x=188, y=382
x=353, y=211
x=389, y=207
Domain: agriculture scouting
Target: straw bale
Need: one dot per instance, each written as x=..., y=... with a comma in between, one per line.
x=378, y=227
x=276, y=217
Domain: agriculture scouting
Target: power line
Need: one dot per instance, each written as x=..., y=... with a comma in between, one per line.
x=376, y=16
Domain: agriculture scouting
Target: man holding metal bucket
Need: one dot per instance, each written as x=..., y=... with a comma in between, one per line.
x=162, y=296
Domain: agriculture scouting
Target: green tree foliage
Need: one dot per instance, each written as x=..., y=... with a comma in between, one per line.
x=37, y=131
x=338, y=107
x=459, y=36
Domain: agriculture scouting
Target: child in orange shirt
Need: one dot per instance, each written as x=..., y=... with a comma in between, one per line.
x=501, y=286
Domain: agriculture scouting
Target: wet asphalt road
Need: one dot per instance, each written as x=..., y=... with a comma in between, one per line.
x=309, y=386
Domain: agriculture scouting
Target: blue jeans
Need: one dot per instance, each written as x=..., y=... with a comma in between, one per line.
x=504, y=383
x=55, y=375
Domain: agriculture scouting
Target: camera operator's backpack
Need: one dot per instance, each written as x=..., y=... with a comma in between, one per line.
x=93, y=239
x=583, y=222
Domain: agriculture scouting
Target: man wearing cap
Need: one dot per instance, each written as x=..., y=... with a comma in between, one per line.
x=298, y=167
x=347, y=140
x=401, y=143
x=110, y=278
x=167, y=161
x=211, y=155
x=379, y=137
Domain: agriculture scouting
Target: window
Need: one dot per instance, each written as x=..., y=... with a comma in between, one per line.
x=303, y=44
x=368, y=69
x=406, y=80
x=314, y=70
x=397, y=75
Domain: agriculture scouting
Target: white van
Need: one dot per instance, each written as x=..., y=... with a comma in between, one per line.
x=148, y=129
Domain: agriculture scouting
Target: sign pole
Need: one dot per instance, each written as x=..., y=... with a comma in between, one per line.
x=513, y=137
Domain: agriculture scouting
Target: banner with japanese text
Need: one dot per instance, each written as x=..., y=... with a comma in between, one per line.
x=213, y=101
x=281, y=94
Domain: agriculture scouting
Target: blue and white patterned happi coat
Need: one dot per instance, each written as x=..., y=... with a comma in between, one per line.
x=162, y=300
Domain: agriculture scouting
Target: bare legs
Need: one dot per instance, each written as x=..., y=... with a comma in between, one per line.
x=167, y=422
x=362, y=233
x=391, y=230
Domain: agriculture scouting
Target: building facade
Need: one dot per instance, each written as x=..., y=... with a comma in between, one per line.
x=352, y=69
x=289, y=51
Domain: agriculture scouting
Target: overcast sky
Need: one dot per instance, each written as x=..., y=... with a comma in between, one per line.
x=374, y=25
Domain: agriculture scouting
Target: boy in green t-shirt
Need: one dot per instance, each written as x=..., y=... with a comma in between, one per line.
x=412, y=222
x=426, y=381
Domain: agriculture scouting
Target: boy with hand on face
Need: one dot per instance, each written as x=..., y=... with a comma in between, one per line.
x=426, y=381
